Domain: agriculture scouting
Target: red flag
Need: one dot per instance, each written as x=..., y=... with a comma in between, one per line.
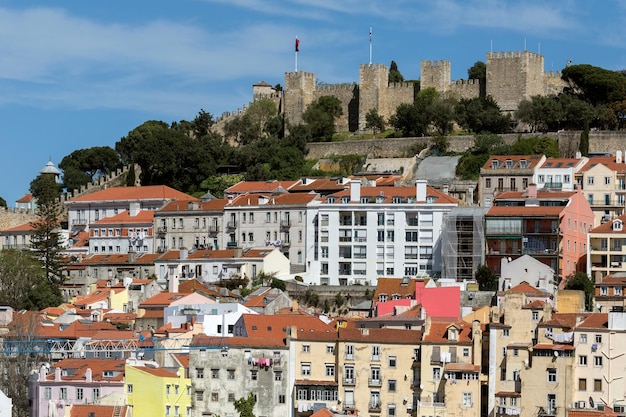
x=297, y=45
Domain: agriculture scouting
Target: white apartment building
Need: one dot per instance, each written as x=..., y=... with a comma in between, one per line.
x=558, y=173
x=362, y=233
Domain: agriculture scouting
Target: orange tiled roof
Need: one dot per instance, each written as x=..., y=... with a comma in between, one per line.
x=96, y=410
x=142, y=217
x=607, y=227
x=26, y=199
x=323, y=412
x=238, y=341
x=595, y=321
x=608, y=161
x=392, y=286
x=275, y=326
x=541, y=195
x=26, y=227
x=45, y=329
x=216, y=204
x=259, y=186
x=149, y=192
x=439, y=332
x=618, y=278
x=193, y=285
x=532, y=160
x=531, y=211
x=563, y=320
x=158, y=372
x=384, y=335
x=162, y=299
x=390, y=192
x=320, y=184
x=526, y=288
x=550, y=163
x=279, y=200
x=182, y=359
x=75, y=369
x=549, y=346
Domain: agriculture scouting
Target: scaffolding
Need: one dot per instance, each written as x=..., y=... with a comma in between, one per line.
x=463, y=242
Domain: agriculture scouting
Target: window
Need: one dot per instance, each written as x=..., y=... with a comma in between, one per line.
x=231, y=397
x=582, y=338
x=168, y=410
x=552, y=375
x=607, y=180
x=176, y=410
x=95, y=394
x=167, y=389
x=330, y=349
x=278, y=376
x=466, y=352
x=467, y=399
x=597, y=361
x=215, y=397
x=375, y=353
x=391, y=410
x=436, y=373
x=200, y=373
x=349, y=352
x=305, y=369
x=515, y=352
x=582, y=360
x=47, y=394
x=393, y=360
x=254, y=374
x=535, y=316
x=598, y=338
x=487, y=182
x=391, y=385
x=231, y=374
x=330, y=370
x=199, y=395
x=597, y=385
x=215, y=373
x=281, y=399
x=506, y=332
x=306, y=348
x=63, y=394
x=590, y=181
x=582, y=384
x=80, y=394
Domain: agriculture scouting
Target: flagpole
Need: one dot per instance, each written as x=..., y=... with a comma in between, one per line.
x=370, y=45
x=297, y=42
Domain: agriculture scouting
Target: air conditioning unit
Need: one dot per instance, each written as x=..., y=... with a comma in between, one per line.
x=579, y=404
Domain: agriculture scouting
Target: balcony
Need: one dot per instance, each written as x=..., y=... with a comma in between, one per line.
x=161, y=249
x=81, y=221
x=349, y=381
x=549, y=411
x=374, y=382
x=214, y=229
x=374, y=407
x=285, y=244
x=607, y=203
x=231, y=224
x=553, y=185
x=285, y=224
x=232, y=244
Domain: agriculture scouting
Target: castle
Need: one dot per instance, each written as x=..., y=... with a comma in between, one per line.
x=511, y=77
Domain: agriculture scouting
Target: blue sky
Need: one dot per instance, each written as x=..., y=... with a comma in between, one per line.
x=76, y=74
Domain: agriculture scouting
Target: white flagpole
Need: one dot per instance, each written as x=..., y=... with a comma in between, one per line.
x=370, y=45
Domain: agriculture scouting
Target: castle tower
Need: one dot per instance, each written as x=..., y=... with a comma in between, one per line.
x=514, y=76
x=373, y=82
x=299, y=91
x=435, y=74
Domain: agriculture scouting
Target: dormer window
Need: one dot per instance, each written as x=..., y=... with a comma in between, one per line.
x=509, y=164
x=107, y=374
x=397, y=200
x=345, y=200
x=523, y=163
x=430, y=199
x=380, y=199
x=617, y=225
x=382, y=298
x=331, y=200
x=495, y=164
x=452, y=334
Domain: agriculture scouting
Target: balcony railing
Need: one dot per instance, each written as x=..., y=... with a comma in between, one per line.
x=214, y=228
x=232, y=224
x=349, y=381
x=375, y=382
x=285, y=224
x=374, y=407
x=231, y=244
x=553, y=185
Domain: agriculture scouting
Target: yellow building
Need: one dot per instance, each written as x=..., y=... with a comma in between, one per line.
x=157, y=392
x=607, y=249
x=451, y=371
x=603, y=180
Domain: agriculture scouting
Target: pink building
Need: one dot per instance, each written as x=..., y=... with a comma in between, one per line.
x=550, y=226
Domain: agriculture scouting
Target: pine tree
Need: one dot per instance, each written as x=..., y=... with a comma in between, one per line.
x=46, y=241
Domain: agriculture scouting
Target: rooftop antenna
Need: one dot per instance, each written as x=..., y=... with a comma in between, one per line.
x=370, y=45
x=524, y=44
x=491, y=49
x=539, y=46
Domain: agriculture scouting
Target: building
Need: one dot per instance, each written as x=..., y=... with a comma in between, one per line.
x=603, y=180
x=17, y=237
x=27, y=203
x=502, y=173
x=550, y=226
x=190, y=225
x=463, y=242
x=558, y=173
x=155, y=391
x=607, y=249
x=129, y=231
x=609, y=293
x=526, y=269
x=74, y=381
x=362, y=233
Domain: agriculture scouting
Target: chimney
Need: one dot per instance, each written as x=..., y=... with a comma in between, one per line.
x=184, y=253
x=172, y=285
x=355, y=191
x=88, y=375
x=618, y=156
x=57, y=374
x=445, y=188
x=420, y=190
x=532, y=190
x=135, y=207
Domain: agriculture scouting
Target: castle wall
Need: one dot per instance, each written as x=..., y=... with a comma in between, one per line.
x=466, y=89
x=396, y=94
x=605, y=141
x=348, y=95
x=514, y=76
x=373, y=82
x=299, y=93
x=553, y=84
x=435, y=74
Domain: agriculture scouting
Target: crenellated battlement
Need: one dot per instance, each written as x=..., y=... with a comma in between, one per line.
x=436, y=63
x=400, y=86
x=299, y=75
x=329, y=88
x=512, y=54
x=465, y=82
x=374, y=67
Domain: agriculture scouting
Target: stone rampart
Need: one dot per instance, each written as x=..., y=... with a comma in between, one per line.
x=348, y=95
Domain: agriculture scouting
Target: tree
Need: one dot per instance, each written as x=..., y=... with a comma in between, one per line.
x=260, y=121
x=394, y=74
x=23, y=283
x=594, y=84
x=580, y=281
x=478, y=71
x=216, y=184
x=320, y=116
x=584, y=141
x=3, y=202
x=202, y=123
x=481, y=115
x=46, y=240
x=487, y=280
x=374, y=121
x=86, y=165
x=245, y=406
x=538, y=145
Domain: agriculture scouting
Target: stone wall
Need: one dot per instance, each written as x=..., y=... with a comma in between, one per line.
x=466, y=89
x=435, y=74
x=12, y=217
x=399, y=147
x=348, y=95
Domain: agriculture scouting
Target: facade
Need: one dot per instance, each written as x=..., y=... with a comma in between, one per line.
x=129, y=231
x=609, y=293
x=75, y=381
x=17, y=237
x=156, y=391
x=558, y=173
x=212, y=266
x=607, y=249
x=185, y=224
x=502, y=173
x=463, y=242
x=526, y=269
x=363, y=233
x=603, y=180
x=272, y=221
x=550, y=226
x=89, y=208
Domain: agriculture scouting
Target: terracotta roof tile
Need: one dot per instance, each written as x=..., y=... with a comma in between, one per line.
x=148, y=192
x=275, y=326
x=142, y=217
x=540, y=211
x=439, y=332
x=216, y=204
x=595, y=321
x=607, y=227
x=390, y=192
x=238, y=341
x=532, y=160
x=97, y=410
x=608, y=161
x=26, y=199
x=259, y=186
x=384, y=335
x=75, y=369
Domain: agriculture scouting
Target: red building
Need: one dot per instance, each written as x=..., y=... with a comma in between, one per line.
x=551, y=226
